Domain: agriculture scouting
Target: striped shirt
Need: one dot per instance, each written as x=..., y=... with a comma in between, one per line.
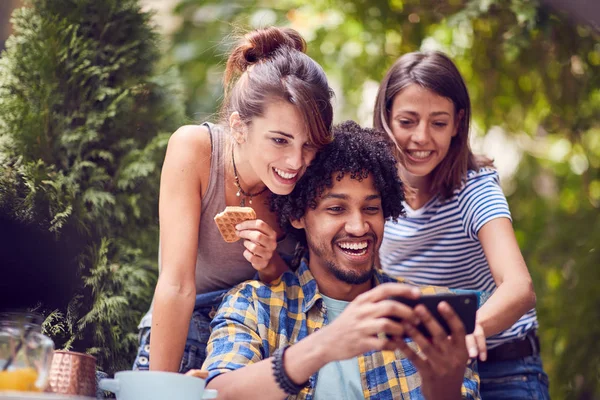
x=438, y=243
x=255, y=319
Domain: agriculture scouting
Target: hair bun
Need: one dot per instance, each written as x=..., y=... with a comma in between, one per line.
x=259, y=45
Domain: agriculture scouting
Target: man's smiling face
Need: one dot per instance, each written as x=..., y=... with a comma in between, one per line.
x=344, y=231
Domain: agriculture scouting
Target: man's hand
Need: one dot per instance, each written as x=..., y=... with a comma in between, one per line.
x=365, y=324
x=444, y=359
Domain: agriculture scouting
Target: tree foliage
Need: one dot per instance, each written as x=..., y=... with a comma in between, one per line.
x=532, y=73
x=84, y=121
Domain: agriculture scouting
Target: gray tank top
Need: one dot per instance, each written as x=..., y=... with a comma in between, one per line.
x=219, y=265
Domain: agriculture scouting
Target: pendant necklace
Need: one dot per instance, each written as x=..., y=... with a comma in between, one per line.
x=241, y=191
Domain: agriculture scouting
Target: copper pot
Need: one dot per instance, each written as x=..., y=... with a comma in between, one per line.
x=73, y=373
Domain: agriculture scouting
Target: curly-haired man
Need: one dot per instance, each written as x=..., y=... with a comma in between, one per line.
x=324, y=331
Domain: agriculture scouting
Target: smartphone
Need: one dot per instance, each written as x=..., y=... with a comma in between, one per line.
x=464, y=305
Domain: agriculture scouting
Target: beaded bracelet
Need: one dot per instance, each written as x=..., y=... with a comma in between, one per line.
x=281, y=377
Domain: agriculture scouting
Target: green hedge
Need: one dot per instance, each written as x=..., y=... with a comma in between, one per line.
x=84, y=122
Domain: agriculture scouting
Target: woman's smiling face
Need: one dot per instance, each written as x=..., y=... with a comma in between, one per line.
x=278, y=147
x=423, y=124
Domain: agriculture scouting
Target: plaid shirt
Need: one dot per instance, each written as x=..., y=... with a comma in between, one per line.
x=255, y=319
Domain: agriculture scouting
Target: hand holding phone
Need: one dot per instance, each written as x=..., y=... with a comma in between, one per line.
x=464, y=305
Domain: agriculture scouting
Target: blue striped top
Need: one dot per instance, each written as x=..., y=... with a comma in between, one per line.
x=438, y=243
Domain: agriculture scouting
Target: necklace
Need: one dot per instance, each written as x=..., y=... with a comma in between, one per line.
x=242, y=191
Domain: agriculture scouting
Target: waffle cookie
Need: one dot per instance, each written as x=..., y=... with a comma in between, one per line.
x=227, y=219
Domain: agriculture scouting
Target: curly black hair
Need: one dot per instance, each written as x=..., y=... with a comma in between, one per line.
x=357, y=151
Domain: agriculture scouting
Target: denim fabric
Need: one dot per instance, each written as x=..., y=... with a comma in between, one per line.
x=198, y=334
x=142, y=359
x=515, y=379
x=100, y=394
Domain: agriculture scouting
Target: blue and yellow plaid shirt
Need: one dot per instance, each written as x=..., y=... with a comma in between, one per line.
x=255, y=319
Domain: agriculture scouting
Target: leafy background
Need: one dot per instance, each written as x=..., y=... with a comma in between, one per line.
x=85, y=115
x=534, y=79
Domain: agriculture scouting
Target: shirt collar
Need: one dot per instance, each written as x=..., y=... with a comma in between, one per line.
x=381, y=277
x=308, y=285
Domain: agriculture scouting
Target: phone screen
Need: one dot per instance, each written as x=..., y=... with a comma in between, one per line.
x=464, y=305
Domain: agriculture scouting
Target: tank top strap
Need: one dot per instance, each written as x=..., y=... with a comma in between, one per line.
x=216, y=184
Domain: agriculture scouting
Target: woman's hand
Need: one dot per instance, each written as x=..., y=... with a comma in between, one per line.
x=260, y=241
x=476, y=343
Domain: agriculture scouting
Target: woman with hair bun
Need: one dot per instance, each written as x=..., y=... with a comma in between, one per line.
x=276, y=115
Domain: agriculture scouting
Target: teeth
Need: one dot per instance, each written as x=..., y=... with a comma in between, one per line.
x=420, y=154
x=285, y=175
x=353, y=246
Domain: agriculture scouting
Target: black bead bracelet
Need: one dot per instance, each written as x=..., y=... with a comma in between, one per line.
x=281, y=377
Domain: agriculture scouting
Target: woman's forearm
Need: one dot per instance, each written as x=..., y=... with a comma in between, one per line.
x=173, y=307
x=510, y=301
x=514, y=295
x=274, y=269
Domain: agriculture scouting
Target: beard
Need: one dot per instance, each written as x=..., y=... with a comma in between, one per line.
x=351, y=277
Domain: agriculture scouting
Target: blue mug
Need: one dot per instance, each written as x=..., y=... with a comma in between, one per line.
x=156, y=385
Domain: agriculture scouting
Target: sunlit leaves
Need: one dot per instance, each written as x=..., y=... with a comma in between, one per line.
x=531, y=73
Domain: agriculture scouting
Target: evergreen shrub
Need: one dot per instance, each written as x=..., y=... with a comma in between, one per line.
x=84, y=122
